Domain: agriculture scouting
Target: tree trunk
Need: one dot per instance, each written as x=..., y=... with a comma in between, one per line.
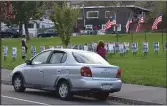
x=26, y=30
x=0, y=25
x=117, y=35
x=20, y=28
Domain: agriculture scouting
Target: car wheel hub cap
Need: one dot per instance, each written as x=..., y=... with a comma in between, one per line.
x=17, y=83
x=63, y=90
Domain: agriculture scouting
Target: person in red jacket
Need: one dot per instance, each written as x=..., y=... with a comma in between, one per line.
x=101, y=49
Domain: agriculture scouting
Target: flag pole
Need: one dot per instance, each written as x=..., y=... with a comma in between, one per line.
x=116, y=26
x=83, y=5
x=162, y=35
x=145, y=35
x=166, y=35
x=162, y=40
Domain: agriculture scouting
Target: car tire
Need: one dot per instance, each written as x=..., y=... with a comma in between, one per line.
x=18, y=83
x=101, y=95
x=63, y=91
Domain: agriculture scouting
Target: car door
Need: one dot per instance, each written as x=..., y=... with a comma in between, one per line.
x=34, y=73
x=54, y=69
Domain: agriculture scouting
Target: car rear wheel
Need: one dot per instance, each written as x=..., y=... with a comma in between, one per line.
x=63, y=91
x=18, y=84
x=101, y=95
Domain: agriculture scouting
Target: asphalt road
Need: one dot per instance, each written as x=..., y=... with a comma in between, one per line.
x=37, y=97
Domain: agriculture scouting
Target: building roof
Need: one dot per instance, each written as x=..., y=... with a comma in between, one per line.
x=128, y=6
x=75, y=2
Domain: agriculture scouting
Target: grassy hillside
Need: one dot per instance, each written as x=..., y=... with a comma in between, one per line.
x=149, y=70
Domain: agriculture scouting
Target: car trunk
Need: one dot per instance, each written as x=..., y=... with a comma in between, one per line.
x=103, y=72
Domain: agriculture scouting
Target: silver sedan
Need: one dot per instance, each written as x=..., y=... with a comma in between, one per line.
x=68, y=72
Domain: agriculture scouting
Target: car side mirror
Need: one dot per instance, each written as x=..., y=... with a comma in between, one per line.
x=28, y=62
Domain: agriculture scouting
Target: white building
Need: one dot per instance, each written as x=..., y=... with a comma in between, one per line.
x=3, y=26
x=34, y=25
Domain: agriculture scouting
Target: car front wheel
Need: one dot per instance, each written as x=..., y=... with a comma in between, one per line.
x=18, y=84
x=63, y=91
x=101, y=95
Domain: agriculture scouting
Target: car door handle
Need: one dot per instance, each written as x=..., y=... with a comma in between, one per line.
x=40, y=70
x=58, y=71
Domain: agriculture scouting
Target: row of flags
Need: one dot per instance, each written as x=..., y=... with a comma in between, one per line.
x=141, y=21
x=120, y=47
x=158, y=19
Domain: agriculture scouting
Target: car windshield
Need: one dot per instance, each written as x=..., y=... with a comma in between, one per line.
x=89, y=58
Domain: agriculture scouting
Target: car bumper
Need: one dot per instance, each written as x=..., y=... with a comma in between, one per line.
x=91, y=85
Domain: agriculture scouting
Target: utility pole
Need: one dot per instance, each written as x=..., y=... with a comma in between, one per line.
x=83, y=13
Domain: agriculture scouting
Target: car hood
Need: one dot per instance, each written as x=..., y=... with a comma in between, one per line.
x=20, y=66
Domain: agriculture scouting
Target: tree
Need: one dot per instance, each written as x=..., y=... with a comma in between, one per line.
x=6, y=12
x=25, y=11
x=64, y=18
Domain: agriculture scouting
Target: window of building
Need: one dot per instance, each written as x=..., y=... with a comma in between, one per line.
x=108, y=14
x=43, y=26
x=89, y=27
x=37, y=25
x=92, y=14
x=30, y=25
x=118, y=27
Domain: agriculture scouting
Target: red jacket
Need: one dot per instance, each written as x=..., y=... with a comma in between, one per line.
x=102, y=52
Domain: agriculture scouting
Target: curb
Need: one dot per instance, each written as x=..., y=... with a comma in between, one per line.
x=131, y=101
x=114, y=98
x=6, y=82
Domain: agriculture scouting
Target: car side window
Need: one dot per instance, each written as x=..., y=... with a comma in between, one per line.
x=41, y=58
x=64, y=58
x=57, y=58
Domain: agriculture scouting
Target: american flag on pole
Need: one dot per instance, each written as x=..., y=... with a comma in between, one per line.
x=157, y=20
x=128, y=23
x=141, y=20
x=113, y=20
x=108, y=25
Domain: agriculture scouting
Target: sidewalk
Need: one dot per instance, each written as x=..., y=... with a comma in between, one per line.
x=136, y=94
x=140, y=93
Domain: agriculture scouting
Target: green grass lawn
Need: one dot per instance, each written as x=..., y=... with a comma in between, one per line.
x=149, y=70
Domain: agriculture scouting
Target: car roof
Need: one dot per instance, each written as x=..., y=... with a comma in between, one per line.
x=69, y=50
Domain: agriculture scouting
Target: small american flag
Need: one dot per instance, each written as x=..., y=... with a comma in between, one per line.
x=157, y=20
x=141, y=20
x=128, y=23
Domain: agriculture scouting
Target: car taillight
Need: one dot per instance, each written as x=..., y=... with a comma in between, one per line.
x=118, y=73
x=86, y=72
